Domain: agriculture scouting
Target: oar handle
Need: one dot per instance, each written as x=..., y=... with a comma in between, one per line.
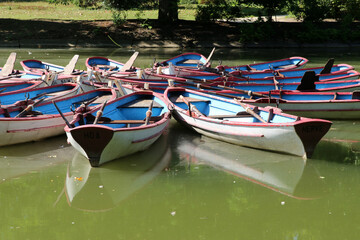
x=149, y=113
x=100, y=112
x=250, y=93
x=27, y=109
x=215, y=92
x=192, y=107
x=62, y=115
x=250, y=111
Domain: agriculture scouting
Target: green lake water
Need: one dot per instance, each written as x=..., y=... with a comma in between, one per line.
x=184, y=186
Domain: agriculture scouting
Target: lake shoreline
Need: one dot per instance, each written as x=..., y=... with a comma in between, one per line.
x=42, y=33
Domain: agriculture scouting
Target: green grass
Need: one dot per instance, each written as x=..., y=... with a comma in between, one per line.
x=45, y=10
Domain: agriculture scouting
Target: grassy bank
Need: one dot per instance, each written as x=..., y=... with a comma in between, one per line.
x=45, y=10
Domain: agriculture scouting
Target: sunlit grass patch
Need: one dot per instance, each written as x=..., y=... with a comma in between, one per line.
x=46, y=10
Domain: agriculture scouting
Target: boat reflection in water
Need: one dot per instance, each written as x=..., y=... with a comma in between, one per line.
x=279, y=172
x=21, y=159
x=103, y=188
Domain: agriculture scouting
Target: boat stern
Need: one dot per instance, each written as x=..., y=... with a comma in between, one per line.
x=91, y=141
x=310, y=133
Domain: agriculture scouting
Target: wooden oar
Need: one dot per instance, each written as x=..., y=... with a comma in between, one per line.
x=203, y=80
x=209, y=57
x=250, y=93
x=192, y=107
x=62, y=115
x=84, y=104
x=9, y=65
x=119, y=87
x=71, y=65
x=276, y=83
x=97, y=76
x=199, y=86
x=11, y=76
x=130, y=62
x=29, y=108
x=99, y=113
x=250, y=111
x=149, y=113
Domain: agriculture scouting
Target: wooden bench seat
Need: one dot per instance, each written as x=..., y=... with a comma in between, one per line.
x=141, y=104
x=102, y=99
x=124, y=122
x=189, y=99
x=189, y=61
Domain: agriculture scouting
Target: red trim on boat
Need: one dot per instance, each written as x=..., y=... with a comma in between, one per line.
x=33, y=129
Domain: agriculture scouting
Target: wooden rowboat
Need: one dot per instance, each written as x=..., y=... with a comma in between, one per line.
x=48, y=93
x=40, y=67
x=329, y=68
x=36, y=120
x=305, y=85
x=19, y=75
x=348, y=75
x=308, y=83
x=188, y=60
x=17, y=86
x=154, y=77
x=103, y=64
x=127, y=125
x=279, y=64
x=234, y=122
x=325, y=105
x=107, y=65
x=8, y=73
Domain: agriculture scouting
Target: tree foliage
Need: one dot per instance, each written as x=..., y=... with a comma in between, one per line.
x=218, y=9
x=270, y=6
x=344, y=10
x=310, y=10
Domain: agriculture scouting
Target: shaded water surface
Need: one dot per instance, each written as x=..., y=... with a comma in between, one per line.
x=185, y=186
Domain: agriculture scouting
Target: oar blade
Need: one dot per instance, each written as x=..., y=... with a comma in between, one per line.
x=328, y=66
x=9, y=65
x=209, y=58
x=71, y=65
x=130, y=62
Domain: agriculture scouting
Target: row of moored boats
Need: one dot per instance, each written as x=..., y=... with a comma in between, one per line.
x=113, y=109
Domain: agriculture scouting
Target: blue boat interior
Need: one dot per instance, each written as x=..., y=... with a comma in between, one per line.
x=91, y=98
x=130, y=111
x=189, y=60
x=34, y=94
x=223, y=110
x=28, y=75
x=105, y=64
x=14, y=87
x=270, y=87
x=41, y=65
x=292, y=73
x=276, y=65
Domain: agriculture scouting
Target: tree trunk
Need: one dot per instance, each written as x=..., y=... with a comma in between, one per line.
x=168, y=11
